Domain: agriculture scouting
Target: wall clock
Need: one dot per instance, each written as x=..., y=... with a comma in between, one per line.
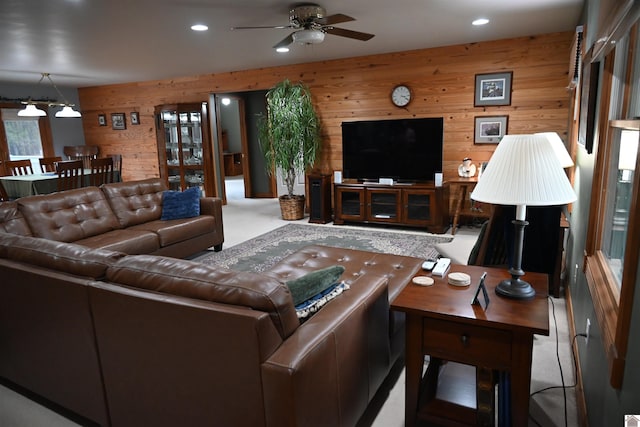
x=401, y=96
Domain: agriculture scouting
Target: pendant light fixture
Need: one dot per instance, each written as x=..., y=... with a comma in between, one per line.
x=31, y=110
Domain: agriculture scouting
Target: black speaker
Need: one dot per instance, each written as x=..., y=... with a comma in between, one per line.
x=320, y=198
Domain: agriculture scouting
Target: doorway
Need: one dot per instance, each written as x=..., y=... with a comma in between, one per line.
x=242, y=167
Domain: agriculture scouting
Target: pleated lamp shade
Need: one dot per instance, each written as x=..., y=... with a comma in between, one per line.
x=524, y=170
x=559, y=148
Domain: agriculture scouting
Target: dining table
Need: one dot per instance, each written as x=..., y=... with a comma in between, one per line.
x=39, y=183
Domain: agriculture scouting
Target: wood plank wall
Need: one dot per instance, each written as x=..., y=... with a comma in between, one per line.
x=442, y=80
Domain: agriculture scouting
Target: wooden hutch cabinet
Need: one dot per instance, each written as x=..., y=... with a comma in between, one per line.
x=184, y=146
x=415, y=205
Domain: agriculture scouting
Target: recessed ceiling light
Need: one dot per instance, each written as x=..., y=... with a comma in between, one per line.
x=199, y=27
x=282, y=50
x=480, y=21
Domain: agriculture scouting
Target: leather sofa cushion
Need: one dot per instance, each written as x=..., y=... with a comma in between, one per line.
x=132, y=242
x=178, y=230
x=136, y=202
x=199, y=281
x=398, y=269
x=66, y=257
x=70, y=215
x=12, y=220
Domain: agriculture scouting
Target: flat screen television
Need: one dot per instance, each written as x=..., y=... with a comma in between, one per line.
x=406, y=150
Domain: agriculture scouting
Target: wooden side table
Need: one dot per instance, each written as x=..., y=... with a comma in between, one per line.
x=465, y=186
x=442, y=323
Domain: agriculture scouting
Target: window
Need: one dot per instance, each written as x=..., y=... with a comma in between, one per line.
x=23, y=137
x=612, y=250
x=620, y=186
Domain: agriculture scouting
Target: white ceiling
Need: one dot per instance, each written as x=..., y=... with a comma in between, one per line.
x=95, y=42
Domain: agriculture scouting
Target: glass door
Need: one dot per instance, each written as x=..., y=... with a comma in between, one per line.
x=172, y=149
x=183, y=147
x=191, y=149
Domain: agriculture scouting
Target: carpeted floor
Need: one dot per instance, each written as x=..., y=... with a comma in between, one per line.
x=260, y=253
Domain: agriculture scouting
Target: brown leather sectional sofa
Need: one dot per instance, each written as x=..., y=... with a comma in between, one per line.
x=131, y=340
x=122, y=217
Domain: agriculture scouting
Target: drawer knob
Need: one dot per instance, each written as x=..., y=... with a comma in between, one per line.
x=465, y=340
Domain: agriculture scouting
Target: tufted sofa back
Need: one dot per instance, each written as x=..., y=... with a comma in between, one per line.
x=68, y=216
x=195, y=280
x=12, y=221
x=136, y=202
x=64, y=257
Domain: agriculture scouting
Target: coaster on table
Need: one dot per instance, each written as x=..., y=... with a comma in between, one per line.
x=423, y=280
x=459, y=279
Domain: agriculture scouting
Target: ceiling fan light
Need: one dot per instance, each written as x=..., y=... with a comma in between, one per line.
x=67, y=111
x=32, y=111
x=308, y=36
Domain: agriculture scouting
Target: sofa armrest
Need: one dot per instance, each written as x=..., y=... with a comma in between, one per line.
x=327, y=371
x=213, y=206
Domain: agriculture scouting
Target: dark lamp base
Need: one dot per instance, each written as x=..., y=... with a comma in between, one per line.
x=516, y=289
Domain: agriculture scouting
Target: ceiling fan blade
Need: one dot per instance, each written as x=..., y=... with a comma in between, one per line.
x=334, y=19
x=285, y=42
x=280, y=27
x=348, y=33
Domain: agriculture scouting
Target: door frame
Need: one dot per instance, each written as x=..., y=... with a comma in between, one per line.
x=216, y=125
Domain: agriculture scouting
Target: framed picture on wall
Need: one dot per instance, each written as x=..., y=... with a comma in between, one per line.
x=493, y=89
x=117, y=121
x=490, y=129
x=135, y=118
x=102, y=120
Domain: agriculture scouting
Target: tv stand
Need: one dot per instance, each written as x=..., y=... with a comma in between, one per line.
x=414, y=205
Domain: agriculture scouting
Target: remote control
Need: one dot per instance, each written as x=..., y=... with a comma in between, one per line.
x=428, y=265
x=441, y=267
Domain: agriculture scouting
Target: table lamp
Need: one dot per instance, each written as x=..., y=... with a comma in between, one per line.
x=523, y=171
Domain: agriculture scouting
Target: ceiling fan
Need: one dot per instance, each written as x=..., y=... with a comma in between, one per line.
x=311, y=24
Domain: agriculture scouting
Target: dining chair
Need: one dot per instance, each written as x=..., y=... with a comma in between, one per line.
x=81, y=152
x=102, y=171
x=70, y=174
x=48, y=164
x=117, y=161
x=19, y=167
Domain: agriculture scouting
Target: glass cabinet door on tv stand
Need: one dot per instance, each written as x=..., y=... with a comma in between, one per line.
x=184, y=148
x=417, y=205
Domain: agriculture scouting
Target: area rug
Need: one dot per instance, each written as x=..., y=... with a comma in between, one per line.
x=260, y=253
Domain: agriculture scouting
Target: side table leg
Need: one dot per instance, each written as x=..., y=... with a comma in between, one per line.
x=519, y=379
x=414, y=361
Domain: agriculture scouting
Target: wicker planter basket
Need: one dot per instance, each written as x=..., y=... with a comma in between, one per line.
x=292, y=208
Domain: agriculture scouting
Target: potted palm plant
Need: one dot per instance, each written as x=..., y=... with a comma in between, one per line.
x=289, y=139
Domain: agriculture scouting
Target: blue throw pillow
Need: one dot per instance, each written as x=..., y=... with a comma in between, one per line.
x=177, y=205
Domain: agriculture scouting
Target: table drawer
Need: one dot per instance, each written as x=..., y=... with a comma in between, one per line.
x=460, y=342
